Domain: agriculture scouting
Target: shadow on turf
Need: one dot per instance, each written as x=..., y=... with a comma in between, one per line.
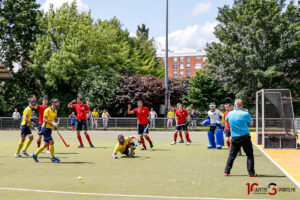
x=65, y=163
x=100, y=147
x=160, y=150
x=66, y=153
x=261, y=176
x=140, y=157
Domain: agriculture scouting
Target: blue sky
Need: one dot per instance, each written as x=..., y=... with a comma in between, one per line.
x=191, y=22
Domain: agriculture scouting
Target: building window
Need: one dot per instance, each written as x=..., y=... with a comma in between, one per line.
x=181, y=59
x=198, y=57
x=174, y=74
x=205, y=63
x=174, y=59
x=188, y=73
x=188, y=59
x=181, y=66
x=205, y=58
x=175, y=66
x=181, y=73
x=198, y=66
x=188, y=66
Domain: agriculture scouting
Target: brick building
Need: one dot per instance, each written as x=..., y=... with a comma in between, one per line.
x=183, y=65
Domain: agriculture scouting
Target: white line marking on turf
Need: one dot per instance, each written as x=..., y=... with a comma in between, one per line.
x=285, y=172
x=119, y=195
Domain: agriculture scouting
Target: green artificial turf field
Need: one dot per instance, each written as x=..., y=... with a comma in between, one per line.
x=160, y=173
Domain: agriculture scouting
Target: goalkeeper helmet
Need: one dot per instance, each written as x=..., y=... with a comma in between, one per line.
x=55, y=102
x=32, y=101
x=212, y=105
x=121, y=139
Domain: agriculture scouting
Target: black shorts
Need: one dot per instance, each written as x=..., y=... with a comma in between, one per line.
x=126, y=152
x=25, y=130
x=81, y=125
x=212, y=128
x=182, y=127
x=47, y=133
x=141, y=129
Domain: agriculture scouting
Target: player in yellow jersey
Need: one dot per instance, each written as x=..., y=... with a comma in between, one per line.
x=49, y=123
x=223, y=110
x=25, y=129
x=95, y=116
x=123, y=146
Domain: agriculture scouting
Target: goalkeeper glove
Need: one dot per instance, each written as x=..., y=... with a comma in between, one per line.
x=116, y=157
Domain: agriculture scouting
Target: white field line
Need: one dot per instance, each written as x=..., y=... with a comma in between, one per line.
x=118, y=195
x=285, y=172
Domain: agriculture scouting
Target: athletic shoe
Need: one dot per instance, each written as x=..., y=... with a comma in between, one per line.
x=92, y=146
x=151, y=145
x=211, y=147
x=240, y=153
x=132, y=154
x=80, y=146
x=219, y=146
x=24, y=153
x=55, y=160
x=143, y=148
x=173, y=143
x=35, y=158
x=188, y=143
x=253, y=175
x=226, y=174
x=181, y=141
x=48, y=152
x=17, y=155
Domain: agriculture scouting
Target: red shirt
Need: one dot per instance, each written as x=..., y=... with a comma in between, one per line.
x=227, y=126
x=81, y=111
x=41, y=109
x=142, y=115
x=181, y=115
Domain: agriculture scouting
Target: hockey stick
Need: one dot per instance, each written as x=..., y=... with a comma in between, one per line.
x=67, y=145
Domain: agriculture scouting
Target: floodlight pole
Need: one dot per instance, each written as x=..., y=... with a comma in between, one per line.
x=166, y=60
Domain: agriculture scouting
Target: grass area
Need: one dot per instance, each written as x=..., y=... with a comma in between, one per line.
x=180, y=170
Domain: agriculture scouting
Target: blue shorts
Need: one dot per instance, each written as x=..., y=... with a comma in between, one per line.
x=47, y=133
x=183, y=127
x=40, y=129
x=141, y=128
x=227, y=133
x=25, y=130
x=81, y=125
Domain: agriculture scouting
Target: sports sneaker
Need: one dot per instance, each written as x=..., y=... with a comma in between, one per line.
x=188, y=143
x=24, y=153
x=173, y=143
x=17, y=155
x=35, y=158
x=253, y=175
x=143, y=148
x=80, y=146
x=92, y=146
x=48, y=152
x=226, y=174
x=181, y=141
x=132, y=154
x=55, y=160
x=151, y=145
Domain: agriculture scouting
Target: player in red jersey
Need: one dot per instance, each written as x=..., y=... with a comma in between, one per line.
x=181, y=123
x=41, y=109
x=81, y=123
x=144, y=117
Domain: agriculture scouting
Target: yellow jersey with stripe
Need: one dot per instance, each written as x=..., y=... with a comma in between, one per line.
x=170, y=115
x=27, y=112
x=223, y=118
x=95, y=114
x=50, y=115
x=120, y=147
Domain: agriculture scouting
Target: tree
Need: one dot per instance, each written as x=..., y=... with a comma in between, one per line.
x=204, y=88
x=258, y=47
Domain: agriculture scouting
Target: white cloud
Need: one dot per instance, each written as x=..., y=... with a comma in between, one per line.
x=191, y=38
x=200, y=8
x=58, y=3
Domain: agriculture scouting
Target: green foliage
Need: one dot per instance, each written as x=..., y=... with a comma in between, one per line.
x=259, y=47
x=204, y=88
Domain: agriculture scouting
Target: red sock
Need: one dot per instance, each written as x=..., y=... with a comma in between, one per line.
x=38, y=143
x=88, y=138
x=187, y=136
x=228, y=143
x=72, y=127
x=80, y=140
x=180, y=134
x=48, y=147
x=148, y=139
x=143, y=142
x=175, y=137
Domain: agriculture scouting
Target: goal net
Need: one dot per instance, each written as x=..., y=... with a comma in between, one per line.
x=275, y=125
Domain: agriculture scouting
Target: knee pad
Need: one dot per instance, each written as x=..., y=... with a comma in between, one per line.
x=211, y=140
x=219, y=137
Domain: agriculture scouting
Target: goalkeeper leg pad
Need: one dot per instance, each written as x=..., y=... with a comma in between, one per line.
x=219, y=138
x=211, y=140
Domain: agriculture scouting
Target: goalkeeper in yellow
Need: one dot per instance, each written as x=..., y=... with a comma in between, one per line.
x=49, y=123
x=25, y=129
x=123, y=146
